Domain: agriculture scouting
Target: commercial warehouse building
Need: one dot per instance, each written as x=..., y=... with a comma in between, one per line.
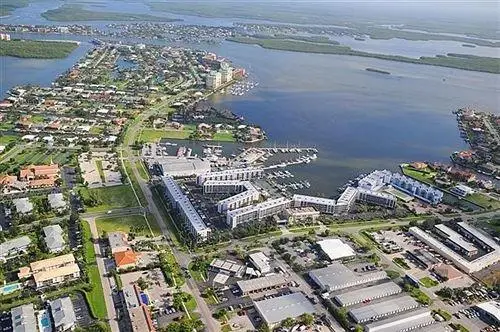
x=367, y=294
x=193, y=223
x=376, y=198
x=480, y=239
x=243, y=174
x=324, y=205
x=257, y=212
x=257, y=285
x=463, y=264
x=380, y=310
x=274, y=310
x=405, y=322
x=181, y=167
x=336, y=276
x=228, y=267
x=336, y=249
x=456, y=240
x=490, y=310
x=260, y=261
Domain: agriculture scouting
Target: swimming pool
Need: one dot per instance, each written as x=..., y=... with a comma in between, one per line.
x=145, y=298
x=10, y=288
x=44, y=323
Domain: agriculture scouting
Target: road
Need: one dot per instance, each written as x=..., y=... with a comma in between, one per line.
x=182, y=258
x=106, y=285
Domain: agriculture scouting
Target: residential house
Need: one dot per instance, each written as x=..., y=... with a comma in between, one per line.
x=63, y=314
x=23, y=318
x=51, y=271
x=118, y=242
x=14, y=247
x=53, y=237
x=57, y=202
x=40, y=176
x=23, y=205
x=125, y=259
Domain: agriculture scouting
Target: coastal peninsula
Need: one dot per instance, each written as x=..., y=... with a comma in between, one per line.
x=36, y=49
x=70, y=13
x=452, y=60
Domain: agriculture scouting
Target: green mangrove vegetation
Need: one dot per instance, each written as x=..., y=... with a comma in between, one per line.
x=36, y=48
x=69, y=13
x=458, y=61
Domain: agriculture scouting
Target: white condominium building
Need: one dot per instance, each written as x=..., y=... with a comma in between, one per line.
x=242, y=199
x=324, y=205
x=257, y=211
x=243, y=174
x=245, y=193
x=377, y=198
x=224, y=187
x=181, y=203
x=226, y=73
x=214, y=80
x=375, y=180
x=346, y=200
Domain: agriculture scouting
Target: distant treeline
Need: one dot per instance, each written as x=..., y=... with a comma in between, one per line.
x=452, y=60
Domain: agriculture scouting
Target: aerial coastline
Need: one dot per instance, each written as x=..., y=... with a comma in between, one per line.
x=165, y=176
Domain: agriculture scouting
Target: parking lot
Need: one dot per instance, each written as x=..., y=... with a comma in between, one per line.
x=160, y=295
x=416, y=269
x=82, y=313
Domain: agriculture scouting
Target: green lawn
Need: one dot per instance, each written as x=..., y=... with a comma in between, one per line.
x=95, y=297
x=135, y=183
x=484, y=201
x=96, y=130
x=428, y=282
x=422, y=176
x=154, y=135
x=98, y=164
x=224, y=137
x=191, y=304
x=135, y=223
x=142, y=170
x=37, y=118
x=401, y=262
x=108, y=198
x=6, y=139
x=40, y=156
x=197, y=275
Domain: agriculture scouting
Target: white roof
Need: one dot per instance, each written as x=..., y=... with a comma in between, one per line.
x=260, y=261
x=23, y=318
x=347, y=196
x=23, y=205
x=13, y=245
x=468, y=266
x=480, y=236
x=336, y=249
x=63, y=312
x=276, y=309
x=491, y=307
x=456, y=238
x=313, y=199
x=56, y=201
